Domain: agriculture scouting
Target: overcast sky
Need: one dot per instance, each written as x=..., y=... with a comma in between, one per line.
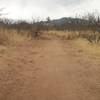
x=26, y=9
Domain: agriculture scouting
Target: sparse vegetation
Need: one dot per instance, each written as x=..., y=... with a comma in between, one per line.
x=12, y=36
x=87, y=27
x=91, y=50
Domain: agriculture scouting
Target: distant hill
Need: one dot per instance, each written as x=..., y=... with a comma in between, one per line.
x=68, y=21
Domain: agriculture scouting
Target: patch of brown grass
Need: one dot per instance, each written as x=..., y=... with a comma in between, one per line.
x=63, y=34
x=92, y=50
x=92, y=37
x=11, y=36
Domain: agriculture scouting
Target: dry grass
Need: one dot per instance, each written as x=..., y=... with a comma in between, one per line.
x=93, y=37
x=80, y=39
x=92, y=50
x=63, y=34
x=69, y=35
x=11, y=36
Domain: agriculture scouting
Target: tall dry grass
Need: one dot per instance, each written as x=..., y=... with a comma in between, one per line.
x=12, y=36
x=93, y=37
x=63, y=34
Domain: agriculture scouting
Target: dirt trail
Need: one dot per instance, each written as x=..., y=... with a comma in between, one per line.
x=48, y=70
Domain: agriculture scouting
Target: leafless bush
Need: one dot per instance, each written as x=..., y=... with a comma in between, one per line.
x=94, y=38
x=94, y=24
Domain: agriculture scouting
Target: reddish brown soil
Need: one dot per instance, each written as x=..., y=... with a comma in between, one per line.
x=48, y=70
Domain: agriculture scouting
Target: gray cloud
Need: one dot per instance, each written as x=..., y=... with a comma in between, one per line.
x=43, y=8
x=42, y=2
x=51, y=3
x=66, y=2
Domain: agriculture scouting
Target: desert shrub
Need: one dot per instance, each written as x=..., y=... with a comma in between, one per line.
x=94, y=37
